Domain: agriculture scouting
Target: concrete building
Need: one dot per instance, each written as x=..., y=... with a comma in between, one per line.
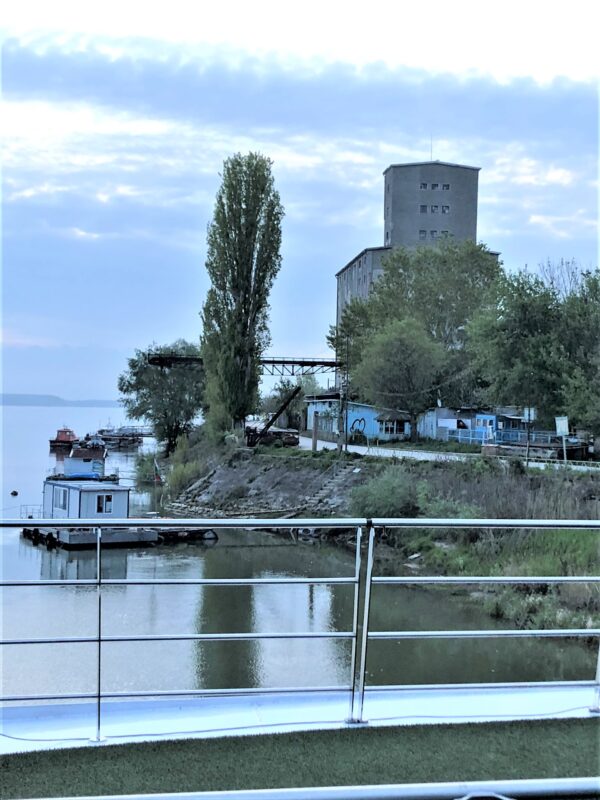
x=429, y=201
x=423, y=203
x=357, y=277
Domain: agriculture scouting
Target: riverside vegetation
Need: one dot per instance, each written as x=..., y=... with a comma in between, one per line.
x=478, y=488
x=484, y=488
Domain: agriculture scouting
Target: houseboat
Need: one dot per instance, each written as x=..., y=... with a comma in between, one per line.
x=71, y=497
x=82, y=490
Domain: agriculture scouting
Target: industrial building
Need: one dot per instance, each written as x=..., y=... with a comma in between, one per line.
x=423, y=203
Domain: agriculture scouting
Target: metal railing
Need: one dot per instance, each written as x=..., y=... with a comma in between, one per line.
x=31, y=511
x=363, y=581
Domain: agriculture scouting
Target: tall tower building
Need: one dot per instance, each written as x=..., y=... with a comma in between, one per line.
x=422, y=203
x=428, y=201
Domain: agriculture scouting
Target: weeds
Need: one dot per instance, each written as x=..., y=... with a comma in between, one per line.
x=483, y=488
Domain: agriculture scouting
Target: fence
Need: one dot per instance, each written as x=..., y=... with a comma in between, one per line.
x=362, y=581
x=466, y=436
x=508, y=436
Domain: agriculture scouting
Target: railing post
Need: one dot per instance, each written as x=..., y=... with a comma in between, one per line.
x=357, y=563
x=98, y=738
x=362, y=602
x=595, y=707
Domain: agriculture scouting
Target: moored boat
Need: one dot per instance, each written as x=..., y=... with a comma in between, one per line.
x=64, y=440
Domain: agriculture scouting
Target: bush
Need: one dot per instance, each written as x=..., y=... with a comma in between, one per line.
x=144, y=468
x=183, y=475
x=391, y=494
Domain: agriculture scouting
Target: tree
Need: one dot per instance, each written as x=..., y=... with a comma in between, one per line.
x=243, y=258
x=517, y=346
x=169, y=398
x=443, y=287
x=540, y=345
x=400, y=367
x=580, y=336
x=581, y=397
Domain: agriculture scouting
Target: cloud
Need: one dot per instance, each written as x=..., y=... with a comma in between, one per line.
x=516, y=168
x=454, y=37
x=79, y=234
x=20, y=340
x=565, y=227
x=44, y=189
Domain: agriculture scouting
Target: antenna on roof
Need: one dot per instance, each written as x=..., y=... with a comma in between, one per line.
x=431, y=147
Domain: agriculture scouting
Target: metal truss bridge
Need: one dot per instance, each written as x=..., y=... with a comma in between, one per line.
x=279, y=366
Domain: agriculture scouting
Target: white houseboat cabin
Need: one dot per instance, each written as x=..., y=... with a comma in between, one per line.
x=85, y=499
x=86, y=462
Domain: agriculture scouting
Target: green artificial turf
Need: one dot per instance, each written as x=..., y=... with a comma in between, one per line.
x=510, y=750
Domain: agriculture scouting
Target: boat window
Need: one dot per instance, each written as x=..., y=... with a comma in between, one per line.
x=104, y=504
x=60, y=498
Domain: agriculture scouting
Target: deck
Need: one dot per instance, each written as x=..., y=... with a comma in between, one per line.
x=50, y=726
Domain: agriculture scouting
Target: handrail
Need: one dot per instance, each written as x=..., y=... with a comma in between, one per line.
x=250, y=523
x=361, y=632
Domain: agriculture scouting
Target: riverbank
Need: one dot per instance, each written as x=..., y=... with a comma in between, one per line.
x=269, y=482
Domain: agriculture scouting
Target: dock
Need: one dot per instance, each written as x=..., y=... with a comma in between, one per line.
x=74, y=538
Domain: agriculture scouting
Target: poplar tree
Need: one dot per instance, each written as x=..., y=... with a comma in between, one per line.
x=243, y=258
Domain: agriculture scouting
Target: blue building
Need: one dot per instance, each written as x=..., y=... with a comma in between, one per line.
x=365, y=422
x=475, y=426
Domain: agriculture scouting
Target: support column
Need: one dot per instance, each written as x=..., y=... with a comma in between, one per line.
x=595, y=707
x=362, y=603
x=315, y=431
x=98, y=738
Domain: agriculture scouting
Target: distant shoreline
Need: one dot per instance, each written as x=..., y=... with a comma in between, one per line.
x=51, y=400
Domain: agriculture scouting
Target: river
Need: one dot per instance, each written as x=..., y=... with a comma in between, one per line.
x=154, y=666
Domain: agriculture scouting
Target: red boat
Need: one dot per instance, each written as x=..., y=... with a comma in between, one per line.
x=64, y=440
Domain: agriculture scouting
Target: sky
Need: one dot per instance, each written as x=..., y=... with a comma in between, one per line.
x=116, y=119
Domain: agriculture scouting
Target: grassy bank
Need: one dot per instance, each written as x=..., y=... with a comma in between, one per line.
x=431, y=753
x=485, y=489
x=193, y=458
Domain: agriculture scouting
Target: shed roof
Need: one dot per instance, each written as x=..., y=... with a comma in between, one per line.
x=393, y=416
x=88, y=485
x=88, y=452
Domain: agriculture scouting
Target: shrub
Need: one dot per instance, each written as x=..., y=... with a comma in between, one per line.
x=144, y=468
x=183, y=475
x=391, y=494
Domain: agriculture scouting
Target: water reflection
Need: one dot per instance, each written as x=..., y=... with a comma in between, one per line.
x=63, y=565
x=185, y=609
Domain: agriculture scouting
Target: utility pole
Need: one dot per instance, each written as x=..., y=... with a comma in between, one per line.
x=346, y=387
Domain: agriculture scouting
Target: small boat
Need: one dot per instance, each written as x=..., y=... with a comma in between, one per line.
x=125, y=436
x=64, y=440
